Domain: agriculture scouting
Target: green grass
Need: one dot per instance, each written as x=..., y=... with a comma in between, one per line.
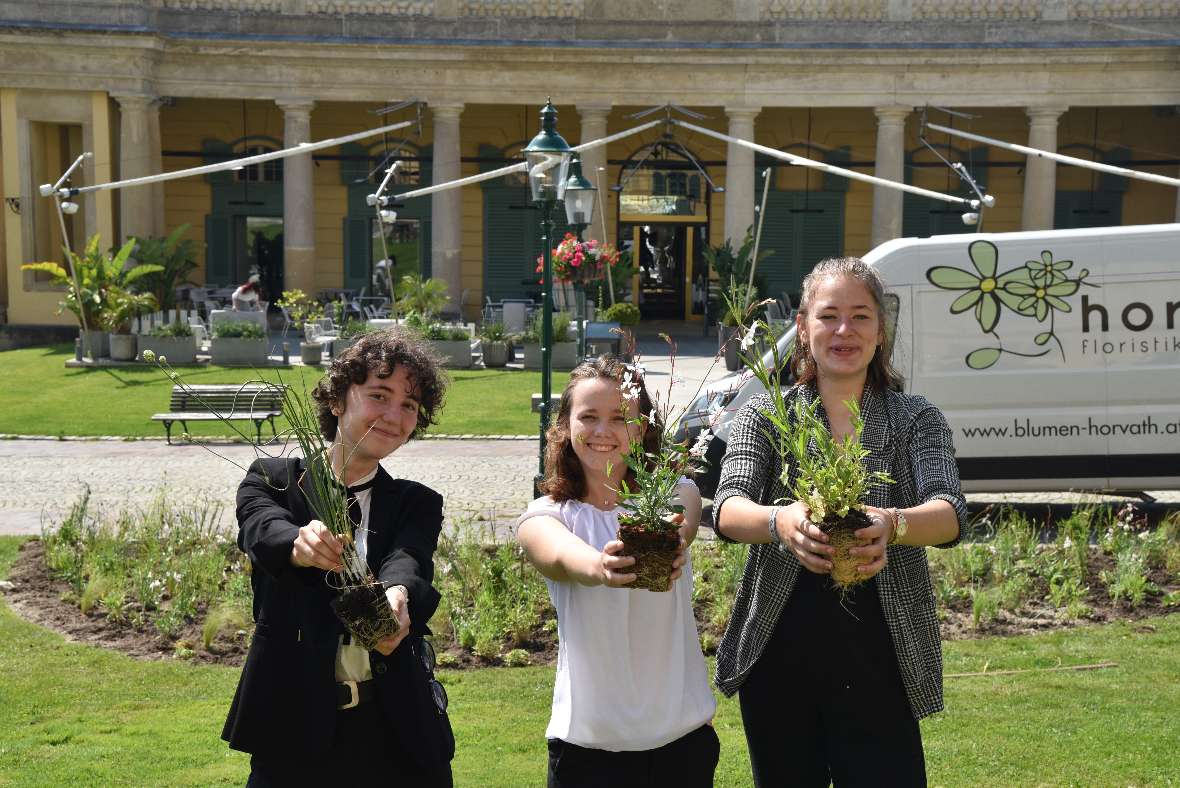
x=93, y=717
x=42, y=397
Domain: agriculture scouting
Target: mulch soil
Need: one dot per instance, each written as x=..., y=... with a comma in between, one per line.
x=45, y=601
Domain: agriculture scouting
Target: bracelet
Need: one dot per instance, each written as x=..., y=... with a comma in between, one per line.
x=900, y=526
x=772, y=525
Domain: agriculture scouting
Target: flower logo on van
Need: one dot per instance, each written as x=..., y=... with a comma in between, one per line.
x=1037, y=289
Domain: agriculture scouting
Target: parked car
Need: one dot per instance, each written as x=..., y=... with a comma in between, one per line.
x=1054, y=355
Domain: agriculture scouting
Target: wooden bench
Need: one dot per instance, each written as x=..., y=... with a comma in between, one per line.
x=256, y=402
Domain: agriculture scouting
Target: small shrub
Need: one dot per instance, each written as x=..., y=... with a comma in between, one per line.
x=1129, y=580
x=238, y=329
x=176, y=328
x=624, y=313
x=517, y=658
x=446, y=659
x=1066, y=591
x=493, y=332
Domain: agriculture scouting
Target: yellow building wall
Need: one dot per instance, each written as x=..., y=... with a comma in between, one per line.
x=189, y=121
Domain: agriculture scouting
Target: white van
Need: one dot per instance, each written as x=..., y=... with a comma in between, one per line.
x=1054, y=355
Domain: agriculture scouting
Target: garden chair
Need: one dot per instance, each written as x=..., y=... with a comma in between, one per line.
x=515, y=316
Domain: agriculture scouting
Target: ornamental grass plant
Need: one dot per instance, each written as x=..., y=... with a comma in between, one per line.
x=360, y=602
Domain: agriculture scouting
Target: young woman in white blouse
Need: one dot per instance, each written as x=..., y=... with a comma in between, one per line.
x=632, y=704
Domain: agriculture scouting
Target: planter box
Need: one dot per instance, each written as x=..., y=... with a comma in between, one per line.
x=95, y=344
x=178, y=350
x=455, y=354
x=565, y=356
x=123, y=347
x=341, y=345
x=238, y=352
x=312, y=353
x=495, y=354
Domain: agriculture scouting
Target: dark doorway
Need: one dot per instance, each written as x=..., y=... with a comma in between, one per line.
x=258, y=248
x=661, y=251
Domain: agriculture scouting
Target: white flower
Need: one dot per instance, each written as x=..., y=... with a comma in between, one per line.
x=149, y=356
x=748, y=339
x=1068, y=543
x=702, y=444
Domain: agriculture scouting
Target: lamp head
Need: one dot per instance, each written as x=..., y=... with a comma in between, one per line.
x=970, y=219
x=580, y=195
x=70, y=208
x=548, y=158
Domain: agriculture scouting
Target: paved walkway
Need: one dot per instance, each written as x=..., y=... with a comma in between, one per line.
x=40, y=479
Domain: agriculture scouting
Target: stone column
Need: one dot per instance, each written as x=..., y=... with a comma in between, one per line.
x=298, y=200
x=138, y=154
x=593, y=128
x=739, y=175
x=887, y=202
x=1040, y=174
x=446, y=207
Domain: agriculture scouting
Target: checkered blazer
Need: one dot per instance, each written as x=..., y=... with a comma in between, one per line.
x=907, y=437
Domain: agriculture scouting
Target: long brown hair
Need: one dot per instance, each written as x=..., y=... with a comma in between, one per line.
x=881, y=374
x=564, y=479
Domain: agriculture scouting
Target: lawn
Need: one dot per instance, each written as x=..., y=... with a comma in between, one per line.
x=42, y=397
x=90, y=716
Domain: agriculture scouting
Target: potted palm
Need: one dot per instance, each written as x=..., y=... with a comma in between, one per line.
x=123, y=306
x=96, y=276
x=176, y=259
x=426, y=297
x=238, y=343
x=493, y=343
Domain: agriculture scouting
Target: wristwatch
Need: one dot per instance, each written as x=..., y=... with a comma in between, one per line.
x=772, y=525
x=900, y=526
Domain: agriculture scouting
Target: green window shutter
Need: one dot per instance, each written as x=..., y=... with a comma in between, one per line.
x=797, y=239
x=215, y=152
x=219, y=251
x=511, y=242
x=357, y=246
x=840, y=158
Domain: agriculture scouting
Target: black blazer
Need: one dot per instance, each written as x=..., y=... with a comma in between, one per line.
x=288, y=684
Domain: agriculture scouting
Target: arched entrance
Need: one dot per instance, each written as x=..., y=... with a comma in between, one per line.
x=663, y=209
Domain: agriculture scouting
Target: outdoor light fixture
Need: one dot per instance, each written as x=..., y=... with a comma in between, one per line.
x=70, y=208
x=389, y=217
x=580, y=197
x=548, y=157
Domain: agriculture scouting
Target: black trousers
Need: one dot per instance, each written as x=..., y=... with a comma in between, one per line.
x=825, y=701
x=364, y=751
x=688, y=762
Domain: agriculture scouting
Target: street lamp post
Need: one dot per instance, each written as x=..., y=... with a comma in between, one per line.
x=579, y=213
x=548, y=157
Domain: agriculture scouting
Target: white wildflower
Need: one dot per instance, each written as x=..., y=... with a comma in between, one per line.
x=702, y=444
x=748, y=339
x=1068, y=543
x=163, y=359
x=149, y=356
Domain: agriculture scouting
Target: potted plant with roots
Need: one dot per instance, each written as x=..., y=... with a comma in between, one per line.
x=360, y=601
x=657, y=462
x=830, y=475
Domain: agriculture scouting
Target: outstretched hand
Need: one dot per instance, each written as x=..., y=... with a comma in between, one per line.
x=316, y=546
x=399, y=601
x=805, y=539
x=611, y=566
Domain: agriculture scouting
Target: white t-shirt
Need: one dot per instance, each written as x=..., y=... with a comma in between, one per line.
x=352, y=661
x=630, y=673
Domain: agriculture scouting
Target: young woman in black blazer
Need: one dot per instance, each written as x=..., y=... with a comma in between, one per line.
x=312, y=708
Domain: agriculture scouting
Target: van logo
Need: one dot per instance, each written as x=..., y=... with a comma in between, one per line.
x=1037, y=290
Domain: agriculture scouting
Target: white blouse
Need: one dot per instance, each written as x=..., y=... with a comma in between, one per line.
x=630, y=672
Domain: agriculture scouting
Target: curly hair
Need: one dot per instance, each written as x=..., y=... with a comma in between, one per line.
x=381, y=353
x=564, y=479
x=881, y=374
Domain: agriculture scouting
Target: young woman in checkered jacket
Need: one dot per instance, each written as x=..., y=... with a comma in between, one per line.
x=832, y=688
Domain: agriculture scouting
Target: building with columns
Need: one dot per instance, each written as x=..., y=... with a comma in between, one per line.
x=162, y=85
